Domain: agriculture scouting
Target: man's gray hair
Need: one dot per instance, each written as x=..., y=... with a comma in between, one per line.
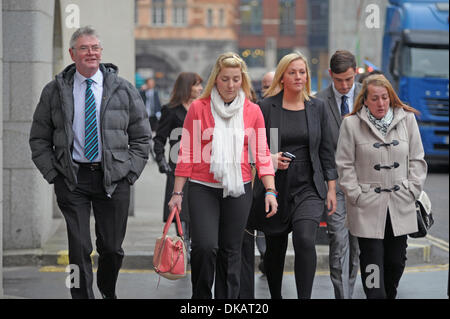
x=87, y=30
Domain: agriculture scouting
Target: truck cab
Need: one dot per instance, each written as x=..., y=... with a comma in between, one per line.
x=416, y=61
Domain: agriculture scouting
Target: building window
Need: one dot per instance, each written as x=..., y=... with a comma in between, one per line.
x=251, y=16
x=209, y=18
x=318, y=24
x=158, y=12
x=287, y=17
x=221, y=17
x=281, y=52
x=179, y=13
x=253, y=57
x=136, y=12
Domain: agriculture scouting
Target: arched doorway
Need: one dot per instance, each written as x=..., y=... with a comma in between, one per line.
x=158, y=67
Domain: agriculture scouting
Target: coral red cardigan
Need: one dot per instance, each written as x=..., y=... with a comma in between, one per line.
x=196, y=142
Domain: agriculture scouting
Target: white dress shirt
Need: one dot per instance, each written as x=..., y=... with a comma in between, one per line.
x=350, y=97
x=79, y=97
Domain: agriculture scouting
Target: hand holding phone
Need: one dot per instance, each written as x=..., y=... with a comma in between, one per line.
x=288, y=155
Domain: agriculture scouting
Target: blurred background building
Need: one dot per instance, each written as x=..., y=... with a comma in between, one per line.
x=174, y=36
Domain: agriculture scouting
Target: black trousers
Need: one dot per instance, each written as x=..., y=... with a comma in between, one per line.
x=247, y=286
x=382, y=262
x=247, y=290
x=217, y=230
x=110, y=215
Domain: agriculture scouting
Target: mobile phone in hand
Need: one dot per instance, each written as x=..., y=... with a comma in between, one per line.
x=288, y=155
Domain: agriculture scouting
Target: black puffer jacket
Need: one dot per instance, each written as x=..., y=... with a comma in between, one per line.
x=125, y=130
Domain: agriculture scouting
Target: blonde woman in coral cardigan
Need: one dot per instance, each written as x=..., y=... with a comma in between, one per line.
x=221, y=130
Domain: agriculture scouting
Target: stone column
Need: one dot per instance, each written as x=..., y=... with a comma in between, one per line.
x=27, y=67
x=1, y=154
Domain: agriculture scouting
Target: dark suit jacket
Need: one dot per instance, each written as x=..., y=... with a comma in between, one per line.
x=156, y=101
x=327, y=95
x=320, y=141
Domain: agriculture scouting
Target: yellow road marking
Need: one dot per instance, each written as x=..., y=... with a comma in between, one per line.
x=435, y=239
x=412, y=269
x=63, y=257
x=440, y=243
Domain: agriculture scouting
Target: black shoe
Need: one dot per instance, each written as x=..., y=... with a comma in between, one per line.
x=104, y=296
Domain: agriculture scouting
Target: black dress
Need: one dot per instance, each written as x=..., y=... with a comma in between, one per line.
x=296, y=185
x=172, y=118
x=298, y=197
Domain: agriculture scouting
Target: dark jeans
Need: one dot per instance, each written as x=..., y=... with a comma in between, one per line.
x=382, y=263
x=110, y=215
x=217, y=230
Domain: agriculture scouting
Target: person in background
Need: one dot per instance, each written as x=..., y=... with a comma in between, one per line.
x=92, y=160
x=344, y=251
x=301, y=123
x=187, y=88
x=220, y=130
x=363, y=76
x=152, y=103
x=266, y=82
x=381, y=166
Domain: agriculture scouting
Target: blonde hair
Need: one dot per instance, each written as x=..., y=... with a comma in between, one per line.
x=277, y=86
x=380, y=81
x=229, y=60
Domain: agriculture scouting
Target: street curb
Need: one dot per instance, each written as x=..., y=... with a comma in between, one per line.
x=419, y=251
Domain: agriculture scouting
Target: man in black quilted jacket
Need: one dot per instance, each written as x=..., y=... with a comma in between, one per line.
x=90, y=137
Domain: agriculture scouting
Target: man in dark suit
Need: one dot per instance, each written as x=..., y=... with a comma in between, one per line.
x=339, y=97
x=152, y=103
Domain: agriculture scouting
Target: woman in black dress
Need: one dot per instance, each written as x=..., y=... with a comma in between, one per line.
x=188, y=87
x=301, y=125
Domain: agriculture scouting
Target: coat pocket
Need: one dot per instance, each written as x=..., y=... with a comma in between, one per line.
x=121, y=165
x=405, y=184
x=121, y=156
x=365, y=188
x=59, y=162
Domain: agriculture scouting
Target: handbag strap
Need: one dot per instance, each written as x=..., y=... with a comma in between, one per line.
x=173, y=213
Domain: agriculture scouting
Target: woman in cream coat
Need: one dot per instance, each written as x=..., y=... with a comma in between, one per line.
x=381, y=167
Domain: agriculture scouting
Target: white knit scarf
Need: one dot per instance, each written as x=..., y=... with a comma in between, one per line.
x=227, y=143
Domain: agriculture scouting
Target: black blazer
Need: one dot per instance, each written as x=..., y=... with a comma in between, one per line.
x=171, y=118
x=320, y=140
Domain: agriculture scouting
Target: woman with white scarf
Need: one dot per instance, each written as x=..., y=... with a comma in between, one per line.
x=221, y=132
x=381, y=166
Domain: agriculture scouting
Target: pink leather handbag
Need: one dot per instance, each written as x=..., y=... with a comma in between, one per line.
x=169, y=257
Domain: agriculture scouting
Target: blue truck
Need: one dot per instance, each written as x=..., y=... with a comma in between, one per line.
x=415, y=59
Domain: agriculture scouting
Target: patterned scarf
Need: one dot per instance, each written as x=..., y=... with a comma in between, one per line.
x=381, y=124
